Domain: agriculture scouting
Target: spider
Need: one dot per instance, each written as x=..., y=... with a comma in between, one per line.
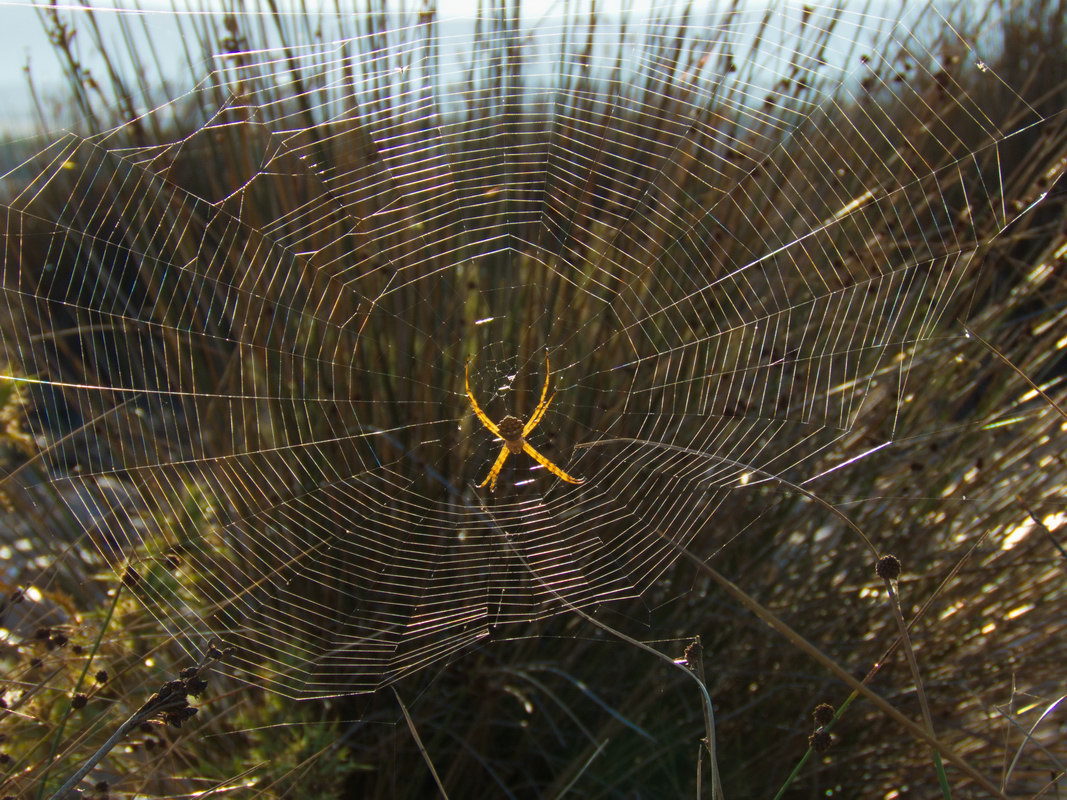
x=514, y=432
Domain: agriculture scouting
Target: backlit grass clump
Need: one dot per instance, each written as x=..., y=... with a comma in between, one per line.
x=799, y=276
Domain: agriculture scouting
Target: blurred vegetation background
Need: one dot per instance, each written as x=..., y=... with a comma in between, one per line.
x=968, y=495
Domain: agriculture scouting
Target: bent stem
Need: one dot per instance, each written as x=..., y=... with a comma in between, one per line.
x=709, y=709
x=159, y=703
x=103, y=750
x=909, y=651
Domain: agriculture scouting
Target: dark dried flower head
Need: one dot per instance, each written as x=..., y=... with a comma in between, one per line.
x=188, y=672
x=42, y=634
x=820, y=741
x=59, y=640
x=888, y=568
x=172, y=688
x=101, y=676
x=77, y=649
x=79, y=701
x=5, y=758
x=195, y=686
x=823, y=713
x=36, y=662
x=176, y=718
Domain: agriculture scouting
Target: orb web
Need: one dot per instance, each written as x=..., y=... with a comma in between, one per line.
x=251, y=307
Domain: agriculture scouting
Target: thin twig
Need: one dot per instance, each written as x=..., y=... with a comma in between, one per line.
x=924, y=705
x=581, y=770
x=419, y=744
x=1040, y=523
x=1028, y=738
x=1018, y=371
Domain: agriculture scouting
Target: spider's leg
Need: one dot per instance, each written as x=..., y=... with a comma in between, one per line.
x=539, y=412
x=542, y=404
x=477, y=408
x=544, y=462
x=495, y=471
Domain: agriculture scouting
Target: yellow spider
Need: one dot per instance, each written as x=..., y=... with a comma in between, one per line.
x=514, y=432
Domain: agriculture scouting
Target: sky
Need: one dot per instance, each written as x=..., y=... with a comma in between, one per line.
x=23, y=42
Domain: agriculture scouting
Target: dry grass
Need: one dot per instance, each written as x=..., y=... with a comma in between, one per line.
x=966, y=488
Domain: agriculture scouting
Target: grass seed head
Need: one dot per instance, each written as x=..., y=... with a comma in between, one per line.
x=822, y=714
x=820, y=741
x=888, y=568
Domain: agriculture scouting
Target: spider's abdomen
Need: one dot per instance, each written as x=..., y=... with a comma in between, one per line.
x=511, y=431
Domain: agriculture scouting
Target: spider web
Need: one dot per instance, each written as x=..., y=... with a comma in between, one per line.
x=251, y=306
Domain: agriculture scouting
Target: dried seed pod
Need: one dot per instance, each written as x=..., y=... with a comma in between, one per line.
x=820, y=741
x=888, y=568
x=195, y=686
x=822, y=714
